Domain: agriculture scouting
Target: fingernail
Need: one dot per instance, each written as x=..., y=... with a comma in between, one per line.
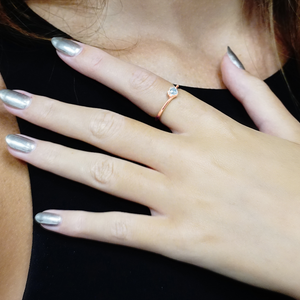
x=15, y=99
x=20, y=143
x=48, y=218
x=65, y=46
x=234, y=59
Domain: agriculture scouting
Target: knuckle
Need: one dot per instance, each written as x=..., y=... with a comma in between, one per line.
x=48, y=110
x=50, y=156
x=105, y=124
x=95, y=62
x=143, y=80
x=119, y=228
x=103, y=171
x=78, y=225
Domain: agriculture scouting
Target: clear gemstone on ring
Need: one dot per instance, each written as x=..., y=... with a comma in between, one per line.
x=173, y=91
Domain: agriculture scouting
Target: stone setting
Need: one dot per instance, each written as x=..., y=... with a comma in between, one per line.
x=173, y=92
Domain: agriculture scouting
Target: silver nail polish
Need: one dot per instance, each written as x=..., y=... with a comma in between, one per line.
x=234, y=58
x=65, y=46
x=15, y=99
x=20, y=143
x=48, y=218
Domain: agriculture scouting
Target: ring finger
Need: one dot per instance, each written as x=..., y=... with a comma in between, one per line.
x=104, y=129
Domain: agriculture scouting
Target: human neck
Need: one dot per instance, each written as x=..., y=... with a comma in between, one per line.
x=181, y=41
x=177, y=21
x=124, y=21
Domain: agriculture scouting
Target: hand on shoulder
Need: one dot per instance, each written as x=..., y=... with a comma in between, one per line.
x=15, y=215
x=223, y=196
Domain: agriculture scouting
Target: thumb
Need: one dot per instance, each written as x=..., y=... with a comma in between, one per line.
x=264, y=108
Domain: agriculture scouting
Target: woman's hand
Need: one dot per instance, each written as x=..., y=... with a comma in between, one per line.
x=222, y=196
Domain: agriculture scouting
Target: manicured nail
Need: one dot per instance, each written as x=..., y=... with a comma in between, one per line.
x=20, y=143
x=65, y=46
x=45, y=218
x=234, y=58
x=15, y=99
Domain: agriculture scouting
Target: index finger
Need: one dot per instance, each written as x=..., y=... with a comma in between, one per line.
x=145, y=89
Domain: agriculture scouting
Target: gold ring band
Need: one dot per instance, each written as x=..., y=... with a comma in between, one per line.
x=172, y=94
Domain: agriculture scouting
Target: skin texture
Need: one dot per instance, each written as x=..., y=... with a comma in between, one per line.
x=160, y=51
x=164, y=52
x=248, y=235
x=15, y=215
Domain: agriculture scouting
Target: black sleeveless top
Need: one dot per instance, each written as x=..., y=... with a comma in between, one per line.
x=64, y=268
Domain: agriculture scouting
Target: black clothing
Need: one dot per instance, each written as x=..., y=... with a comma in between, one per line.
x=64, y=268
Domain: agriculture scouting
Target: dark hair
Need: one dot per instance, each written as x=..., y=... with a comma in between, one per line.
x=280, y=16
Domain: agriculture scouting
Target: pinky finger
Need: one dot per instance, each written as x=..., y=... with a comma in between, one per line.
x=261, y=104
x=133, y=230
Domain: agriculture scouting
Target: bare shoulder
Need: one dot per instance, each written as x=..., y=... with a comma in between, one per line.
x=15, y=215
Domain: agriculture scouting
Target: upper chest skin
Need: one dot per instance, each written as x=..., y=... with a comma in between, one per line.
x=185, y=57
x=15, y=215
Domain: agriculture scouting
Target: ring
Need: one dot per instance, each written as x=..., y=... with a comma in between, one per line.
x=172, y=93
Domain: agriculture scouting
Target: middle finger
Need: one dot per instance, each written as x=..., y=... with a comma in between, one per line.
x=107, y=130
